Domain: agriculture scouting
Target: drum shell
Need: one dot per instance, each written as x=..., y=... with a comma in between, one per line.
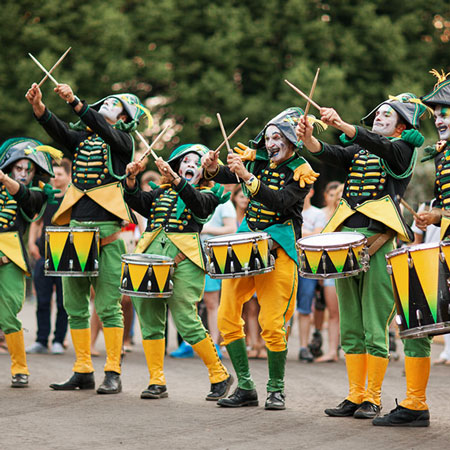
x=154, y=264
x=64, y=260
x=420, y=284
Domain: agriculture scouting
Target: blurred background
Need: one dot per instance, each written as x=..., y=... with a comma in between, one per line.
x=189, y=59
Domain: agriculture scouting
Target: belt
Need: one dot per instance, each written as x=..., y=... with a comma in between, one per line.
x=376, y=241
x=178, y=258
x=108, y=239
x=4, y=260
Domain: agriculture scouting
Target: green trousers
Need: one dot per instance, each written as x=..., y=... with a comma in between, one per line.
x=366, y=306
x=188, y=281
x=12, y=296
x=76, y=290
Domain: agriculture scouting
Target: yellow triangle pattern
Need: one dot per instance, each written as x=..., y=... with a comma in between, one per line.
x=137, y=273
x=221, y=252
x=358, y=252
x=57, y=241
x=263, y=248
x=243, y=252
x=161, y=274
x=12, y=248
x=82, y=241
x=446, y=251
x=400, y=273
x=338, y=258
x=313, y=259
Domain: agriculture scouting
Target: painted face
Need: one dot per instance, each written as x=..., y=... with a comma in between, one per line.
x=278, y=147
x=190, y=168
x=386, y=120
x=23, y=171
x=111, y=109
x=442, y=121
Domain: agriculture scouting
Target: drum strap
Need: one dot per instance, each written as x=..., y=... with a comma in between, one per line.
x=178, y=258
x=4, y=260
x=108, y=239
x=376, y=241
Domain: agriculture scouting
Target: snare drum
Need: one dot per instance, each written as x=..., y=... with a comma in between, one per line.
x=333, y=255
x=420, y=281
x=71, y=251
x=146, y=275
x=239, y=255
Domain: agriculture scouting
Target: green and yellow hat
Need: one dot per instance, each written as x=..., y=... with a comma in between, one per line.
x=183, y=150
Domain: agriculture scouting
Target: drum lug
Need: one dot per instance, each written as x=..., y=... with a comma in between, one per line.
x=171, y=271
x=124, y=282
x=171, y=285
x=272, y=259
x=270, y=243
x=70, y=264
x=398, y=319
x=231, y=266
x=230, y=251
x=255, y=248
x=47, y=237
x=350, y=260
x=47, y=264
x=149, y=285
x=303, y=261
x=442, y=257
x=410, y=262
x=125, y=269
x=95, y=264
x=324, y=263
x=389, y=269
x=150, y=271
x=258, y=263
x=212, y=269
x=419, y=316
x=71, y=237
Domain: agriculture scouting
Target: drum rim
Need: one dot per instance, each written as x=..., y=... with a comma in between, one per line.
x=330, y=276
x=425, y=330
x=68, y=273
x=414, y=248
x=257, y=236
x=362, y=240
x=143, y=295
x=158, y=260
x=243, y=274
x=72, y=229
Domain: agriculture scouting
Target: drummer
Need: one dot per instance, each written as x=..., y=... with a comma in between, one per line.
x=381, y=162
x=22, y=164
x=413, y=411
x=277, y=181
x=176, y=212
x=102, y=146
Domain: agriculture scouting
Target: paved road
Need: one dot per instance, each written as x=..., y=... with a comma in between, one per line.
x=38, y=418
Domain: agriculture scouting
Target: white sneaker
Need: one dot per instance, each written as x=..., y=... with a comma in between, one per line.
x=57, y=348
x=37, y=347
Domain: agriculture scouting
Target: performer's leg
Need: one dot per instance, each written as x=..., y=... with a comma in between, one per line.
x=44, y=290
x=108, y=306
x=413, y=410
x=276, y=292
x=235, y=292
x=11, y=301
x=61, y=315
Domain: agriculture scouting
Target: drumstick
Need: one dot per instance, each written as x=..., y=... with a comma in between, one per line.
x=296, y=89
x=43, y=69
x=217, y=150
x=149, y=148
x=311, y=92
x=55, y=66
x=224, y=134
x=409, y=208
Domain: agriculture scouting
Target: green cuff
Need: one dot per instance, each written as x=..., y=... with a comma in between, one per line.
x=345, y=140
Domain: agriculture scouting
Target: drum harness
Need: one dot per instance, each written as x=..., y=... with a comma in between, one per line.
x=375, y=242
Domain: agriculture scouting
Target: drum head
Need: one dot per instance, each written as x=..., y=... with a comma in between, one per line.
x=342, y=239
x=146, y=259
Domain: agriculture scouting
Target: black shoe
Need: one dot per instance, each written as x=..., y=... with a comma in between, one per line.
x=155, y=391
x=344, y=409
x=367, y=410
x=220, y=390
x=76, y=381
x=275, y=400
x=403, y=417
x=111, y=384
x=19, y=380
x=305, y=355
x=240, y=397
x=315, y=346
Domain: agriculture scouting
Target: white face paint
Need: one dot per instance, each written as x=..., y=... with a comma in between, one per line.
x=442, y=121
x=190, y=168
x=278, y=147
x=23, y=171
x=386, y=120
x=111, y=109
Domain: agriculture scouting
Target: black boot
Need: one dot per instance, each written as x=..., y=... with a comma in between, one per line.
x=240, y=397
x=76, y=381
x=344, y=409
x=19, y=380
x=315, y=346
x=220, y=390
x=403, y=417
x=275, y=400
x=111, y=384
x=155, y=391
x=367, y=410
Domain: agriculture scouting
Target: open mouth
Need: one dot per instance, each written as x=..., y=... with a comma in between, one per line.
x=442, y=129
x=189, y=174
x=273, y=153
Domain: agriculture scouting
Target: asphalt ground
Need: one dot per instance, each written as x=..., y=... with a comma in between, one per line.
x=39, y=418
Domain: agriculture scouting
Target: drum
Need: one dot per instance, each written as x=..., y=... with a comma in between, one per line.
x=332, y=255
x=239, y=255
x=146, y=275
x=420, y=280
x=71, y=251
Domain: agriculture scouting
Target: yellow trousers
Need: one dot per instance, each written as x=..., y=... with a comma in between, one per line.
x=276, y=293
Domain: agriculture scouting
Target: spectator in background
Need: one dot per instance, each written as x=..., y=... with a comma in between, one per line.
x=46, y=285
x=313, y=222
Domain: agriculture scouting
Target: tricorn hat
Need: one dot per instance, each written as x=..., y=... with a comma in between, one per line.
x=440, y=95
x=183, y=150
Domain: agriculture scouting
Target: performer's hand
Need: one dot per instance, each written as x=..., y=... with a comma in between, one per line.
x=413, y=137
x=132, y=170
x=33, y=249
x=2, y=176
x=330, y=117
x=210, y=161
x=426, y=218
x=305, y=174
x=65, y=92
x=165, y=170
x=246, y=153
x=304, y=130
x=236, y=165
x=34, y=97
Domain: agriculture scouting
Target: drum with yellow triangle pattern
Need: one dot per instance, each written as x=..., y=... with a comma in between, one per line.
x=147, y=275
x=239, y=255
x=332, y=255
x=71, y=251
x=420, y=280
